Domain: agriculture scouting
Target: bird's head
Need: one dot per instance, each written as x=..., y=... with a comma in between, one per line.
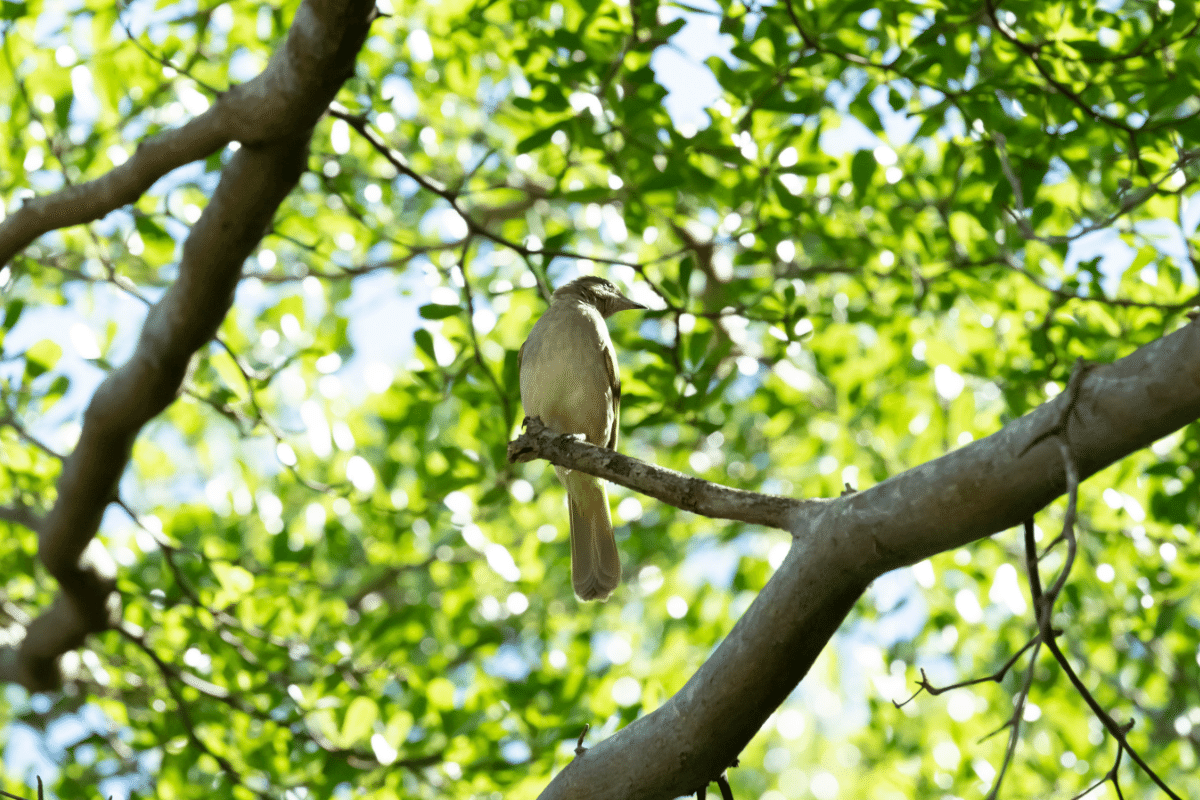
x=598, y=292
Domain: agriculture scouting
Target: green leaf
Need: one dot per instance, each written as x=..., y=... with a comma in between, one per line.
x=1145, y=255
x=41, y=357
x=236, y=581
x=660, y=181
x=803, y=105
x=1031, y=173
x=440, y=693
x=438, y=311
x=361, y=715
x=12, y=313
x=512, y=371
x=588, y=195
x=862, y=169
x=670, y=29
x=58, y=387
x=424, y=342
x=150, y=230
x=814, y=166
x=538, y=138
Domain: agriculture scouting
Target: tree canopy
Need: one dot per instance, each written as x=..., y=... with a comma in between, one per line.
x=264, y=274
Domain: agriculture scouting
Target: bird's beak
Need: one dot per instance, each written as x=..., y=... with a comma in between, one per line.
x=623, y=303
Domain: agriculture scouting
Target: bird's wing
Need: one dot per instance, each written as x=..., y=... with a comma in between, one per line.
x=614, y=386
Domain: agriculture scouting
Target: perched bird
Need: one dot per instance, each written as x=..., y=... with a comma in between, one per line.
x=569, y=379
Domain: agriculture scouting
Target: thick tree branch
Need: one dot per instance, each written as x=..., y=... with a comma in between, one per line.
x=319, y=55
x=841, y=545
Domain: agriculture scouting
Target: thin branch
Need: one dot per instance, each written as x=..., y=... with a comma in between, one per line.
x=682, y=491
x=11, y=421
x=349, y=273
x=1131, y=201
x=1005, y=260
x=1111, y=775
x=162, y=60
x=468, y=293
x=170, y=675
x=995, y=677
x=1043, y=601
x=359, y=123
x=1032, y=52
x=22, y=515
x=1014, y=723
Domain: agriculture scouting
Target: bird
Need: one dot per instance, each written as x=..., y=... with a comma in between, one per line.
x=570, y=380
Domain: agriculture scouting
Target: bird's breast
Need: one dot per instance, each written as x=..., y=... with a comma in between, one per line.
x=564, y=375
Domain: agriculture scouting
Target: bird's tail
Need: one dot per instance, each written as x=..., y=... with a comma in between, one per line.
x=595, y=563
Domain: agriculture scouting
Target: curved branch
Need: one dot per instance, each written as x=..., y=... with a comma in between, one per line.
x=322, y=45
x=290, y=95
x=84, y=202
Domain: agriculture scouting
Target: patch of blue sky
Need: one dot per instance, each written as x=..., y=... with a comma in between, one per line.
x=680, y=68
x=29, y=754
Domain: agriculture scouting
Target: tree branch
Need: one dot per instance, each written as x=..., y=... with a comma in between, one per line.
x=320, y=51
x=289, y=96
x=842, y=544
x=21, y=515
x=682, y=491
x=1043, y=606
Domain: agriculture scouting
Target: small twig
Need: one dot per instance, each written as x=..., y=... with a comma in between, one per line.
x=995, y=677
x=579, y=748
x=469, y=295
x=1014, y=183
x=20, y=514
x=163, y=60
x=182, y=709
x=453, y=198
x=722, y=782
x=1111, y=775
x=11, y=421
x=1068, y=531
x=1014, y=721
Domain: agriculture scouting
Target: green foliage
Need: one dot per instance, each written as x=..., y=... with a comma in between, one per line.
x=871, y=251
